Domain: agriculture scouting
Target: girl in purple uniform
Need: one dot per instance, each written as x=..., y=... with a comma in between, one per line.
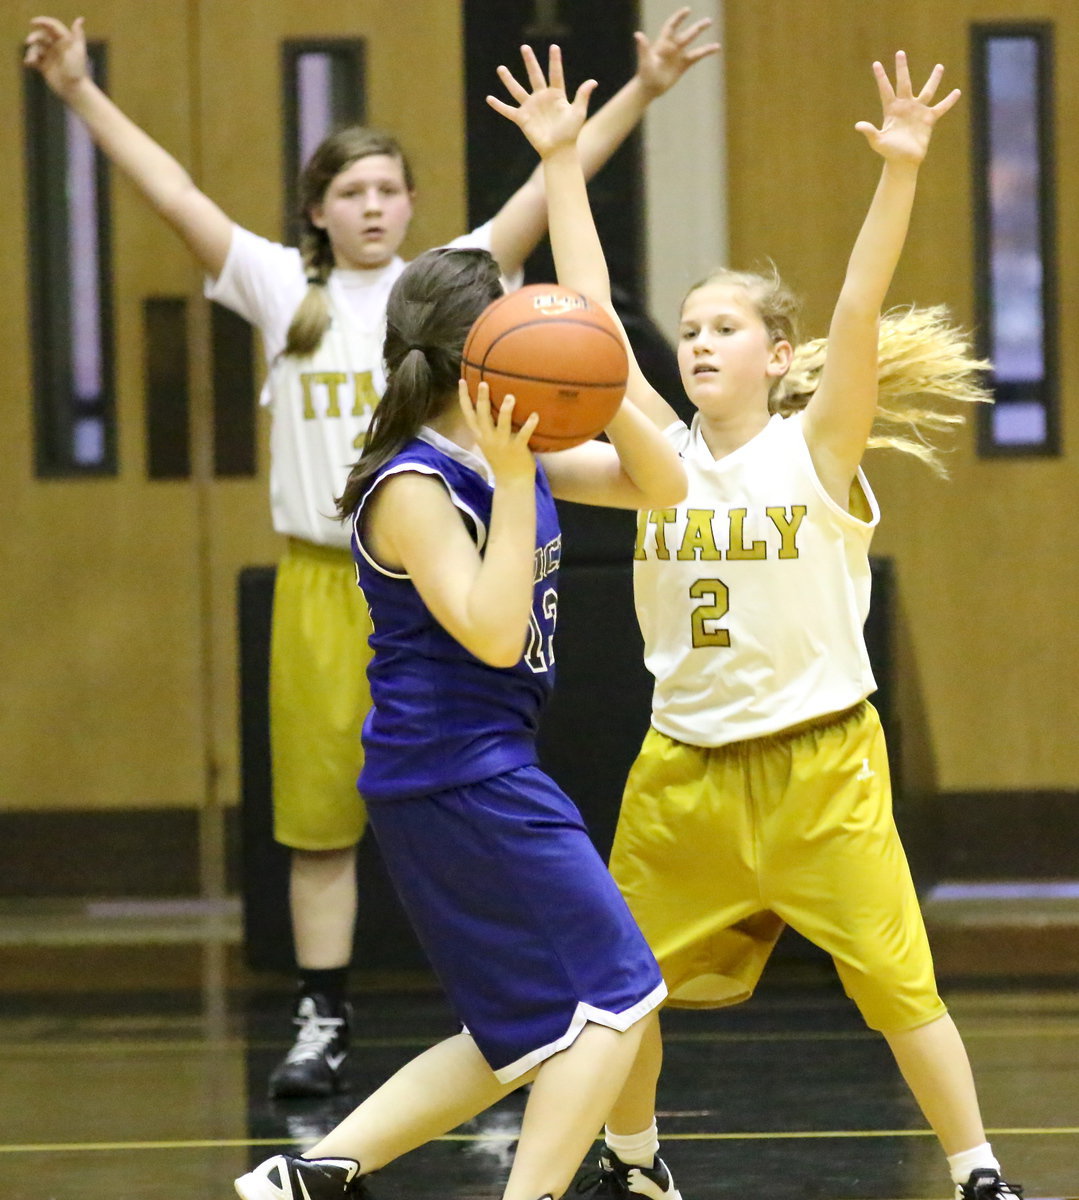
x=456, y=541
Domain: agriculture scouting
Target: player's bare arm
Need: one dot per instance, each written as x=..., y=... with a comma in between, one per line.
x=840, y=415
x=59, y=54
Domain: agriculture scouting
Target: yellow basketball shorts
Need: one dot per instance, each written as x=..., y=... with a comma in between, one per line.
x=717, y=849
x=318, y=698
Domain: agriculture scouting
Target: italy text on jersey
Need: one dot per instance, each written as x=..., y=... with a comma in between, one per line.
x=698, y=538
x=328, y=394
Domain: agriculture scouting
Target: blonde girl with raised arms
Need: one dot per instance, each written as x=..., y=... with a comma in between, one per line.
x=761, y=794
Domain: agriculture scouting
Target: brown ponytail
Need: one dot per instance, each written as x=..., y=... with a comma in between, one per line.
x=431, y=308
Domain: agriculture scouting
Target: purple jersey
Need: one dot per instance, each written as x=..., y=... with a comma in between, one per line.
x=440, y=717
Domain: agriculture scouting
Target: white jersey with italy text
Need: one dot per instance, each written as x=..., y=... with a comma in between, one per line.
x=752, y=593
x=321, y=406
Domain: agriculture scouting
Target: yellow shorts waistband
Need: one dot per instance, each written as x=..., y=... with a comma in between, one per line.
x=299, y=548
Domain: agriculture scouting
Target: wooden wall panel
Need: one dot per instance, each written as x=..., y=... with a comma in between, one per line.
x=987, y=562
x=118, y=597
x=99, y=621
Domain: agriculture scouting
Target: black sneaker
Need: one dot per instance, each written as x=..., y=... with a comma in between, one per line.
x=284, y=1177
x=616, y=1178
x=986, y=1184
x=313, y=1065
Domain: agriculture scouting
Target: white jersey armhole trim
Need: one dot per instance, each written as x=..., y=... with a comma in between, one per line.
x=837, y=510
x=417, y=469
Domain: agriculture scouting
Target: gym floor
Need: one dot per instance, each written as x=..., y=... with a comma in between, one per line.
x=135, y=1069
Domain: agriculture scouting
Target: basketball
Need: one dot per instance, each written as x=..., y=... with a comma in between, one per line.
x=558, y=353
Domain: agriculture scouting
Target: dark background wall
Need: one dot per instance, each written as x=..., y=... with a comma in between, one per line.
x=596, y=38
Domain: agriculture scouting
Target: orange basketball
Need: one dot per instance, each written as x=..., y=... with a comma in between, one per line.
x=558, y=353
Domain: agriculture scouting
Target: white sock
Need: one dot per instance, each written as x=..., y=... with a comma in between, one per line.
x=977, y=1157
x=635, y=1149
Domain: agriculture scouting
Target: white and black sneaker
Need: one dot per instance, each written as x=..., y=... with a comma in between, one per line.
x=616, y=1178
x=284, y=1177
x=313, y=1065
x=986, y=1184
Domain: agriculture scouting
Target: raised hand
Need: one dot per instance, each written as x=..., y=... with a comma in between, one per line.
x=908, y=119
x=661, y=63
x=58, y=52
x=545, y=115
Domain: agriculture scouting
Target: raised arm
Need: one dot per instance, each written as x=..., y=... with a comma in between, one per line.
x=522, y=220
x=643, y=471
x=551, y=124
x=59, y=54
x=840, y=415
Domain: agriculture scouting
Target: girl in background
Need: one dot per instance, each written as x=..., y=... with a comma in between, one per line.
x=321, y=312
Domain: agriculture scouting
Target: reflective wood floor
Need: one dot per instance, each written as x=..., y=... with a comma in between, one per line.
x=138, y=1072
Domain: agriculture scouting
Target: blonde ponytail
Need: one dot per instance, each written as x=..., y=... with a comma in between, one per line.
x=312, y=318
x=928, y=377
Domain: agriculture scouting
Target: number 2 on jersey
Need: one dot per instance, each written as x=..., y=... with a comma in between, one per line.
x=538, y=655
x=704, y=616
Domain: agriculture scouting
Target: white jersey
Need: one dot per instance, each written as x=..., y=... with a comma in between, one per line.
x=752, y=593
x=321, y=405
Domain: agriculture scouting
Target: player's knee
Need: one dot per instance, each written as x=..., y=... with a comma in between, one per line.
x=891, y=997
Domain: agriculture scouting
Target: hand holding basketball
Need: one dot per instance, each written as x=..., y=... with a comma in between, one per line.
x=560, y=355
x=503, y=444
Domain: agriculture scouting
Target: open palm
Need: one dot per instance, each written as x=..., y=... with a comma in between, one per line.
x=545, y=115
x=908, y=119
x=662, y=62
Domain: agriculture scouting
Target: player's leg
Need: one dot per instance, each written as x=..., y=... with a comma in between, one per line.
x=934, y=1062
x=444, y=1087
x=629, y=1161
x=322, y=903
x=322, y=900
x=538, y=948
x=843, y=881
x=435, y=1092
x=449, y=1084
x=571, y=1094
x=683, y=856
x=634, y=1108
x=318, y=697
x=438, y=1090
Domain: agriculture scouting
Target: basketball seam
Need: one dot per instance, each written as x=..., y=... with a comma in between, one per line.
x=552, y=383
x=561, y=320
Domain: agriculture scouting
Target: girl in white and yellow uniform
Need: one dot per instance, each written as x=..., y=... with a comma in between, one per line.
x=761, y=795
x=320, y=309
